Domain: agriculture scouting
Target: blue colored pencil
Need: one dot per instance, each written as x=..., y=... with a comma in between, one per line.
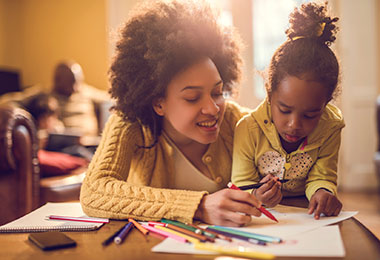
x=227, y=234
x=112, y=237
x=261, y=237
x=123, y=233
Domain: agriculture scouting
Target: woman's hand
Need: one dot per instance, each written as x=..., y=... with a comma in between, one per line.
x=270, y=192
x=324, y=202
x=228, y=207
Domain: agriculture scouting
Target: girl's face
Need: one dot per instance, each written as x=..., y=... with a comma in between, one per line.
x=194, y=106
x=297, y=105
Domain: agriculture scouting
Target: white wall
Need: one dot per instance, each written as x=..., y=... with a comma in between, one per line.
x=117, y=14
x=358, y=49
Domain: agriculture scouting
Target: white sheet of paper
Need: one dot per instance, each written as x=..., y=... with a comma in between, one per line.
x=320, y=242
x=291, y=221
x=303, y=235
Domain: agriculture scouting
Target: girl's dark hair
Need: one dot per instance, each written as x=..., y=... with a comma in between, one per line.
x=159, y=40
x=306, y=53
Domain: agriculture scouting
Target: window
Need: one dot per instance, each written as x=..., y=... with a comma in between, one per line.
x=270, y=20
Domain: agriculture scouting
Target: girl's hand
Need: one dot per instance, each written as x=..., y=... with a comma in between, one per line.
x=270, y=192
x=228, y=207
x=324, y=202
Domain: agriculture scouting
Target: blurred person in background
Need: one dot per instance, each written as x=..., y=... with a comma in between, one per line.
x=78, y=101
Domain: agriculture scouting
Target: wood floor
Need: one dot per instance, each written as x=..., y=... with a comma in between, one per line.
x=368, y=206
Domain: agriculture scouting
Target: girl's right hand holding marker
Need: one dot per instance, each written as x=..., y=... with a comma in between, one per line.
x=269, y=193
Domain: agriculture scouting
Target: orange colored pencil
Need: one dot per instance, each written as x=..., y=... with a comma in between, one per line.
x=138, y=226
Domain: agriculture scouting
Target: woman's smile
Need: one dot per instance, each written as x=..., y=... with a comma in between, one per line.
x=209, y=125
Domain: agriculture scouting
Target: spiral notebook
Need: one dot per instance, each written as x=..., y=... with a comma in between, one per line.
x=36, y=220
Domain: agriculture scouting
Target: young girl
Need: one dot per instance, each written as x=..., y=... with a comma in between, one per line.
x=295, y=133
x=167, y=151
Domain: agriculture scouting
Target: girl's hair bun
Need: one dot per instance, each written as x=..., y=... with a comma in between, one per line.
x=311, y=21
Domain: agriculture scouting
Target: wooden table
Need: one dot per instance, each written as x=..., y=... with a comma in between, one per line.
x=358, y=241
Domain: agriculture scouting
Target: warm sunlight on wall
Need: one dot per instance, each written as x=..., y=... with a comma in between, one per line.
x=2, y=31
x=35, y=35
x=10, y=36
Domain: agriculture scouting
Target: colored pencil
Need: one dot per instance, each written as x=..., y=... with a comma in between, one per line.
x=138, y=226
x=188, y=238
x=190, y=227
x=201, y=238
x=261, y=237
x=211, y=233
x=262, y=209
x=80, y=219
x=123, y=233
x=165, y=234
x=112, y=237
x=258, y=185
x=237, y=251
x=240, y=237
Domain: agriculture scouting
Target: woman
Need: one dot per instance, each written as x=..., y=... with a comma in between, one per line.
x=166, y=152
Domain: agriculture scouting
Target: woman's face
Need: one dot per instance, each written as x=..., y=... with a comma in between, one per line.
x=194, y=105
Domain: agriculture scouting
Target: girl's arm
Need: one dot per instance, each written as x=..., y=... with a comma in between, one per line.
x=321, y=185
x=323, y=174
x=244, y=169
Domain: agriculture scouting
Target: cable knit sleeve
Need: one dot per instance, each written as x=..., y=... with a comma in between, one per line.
x=115, y=188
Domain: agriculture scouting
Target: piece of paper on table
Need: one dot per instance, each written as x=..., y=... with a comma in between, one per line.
x=291, y=221
x=303, y=235
x=320, y=242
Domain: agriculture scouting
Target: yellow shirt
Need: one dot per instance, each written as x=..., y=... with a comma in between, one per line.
x=124, y=181
x=258, y=152
x=187, y=176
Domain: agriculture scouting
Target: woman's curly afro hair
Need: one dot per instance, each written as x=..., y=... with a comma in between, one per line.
x=160, y=39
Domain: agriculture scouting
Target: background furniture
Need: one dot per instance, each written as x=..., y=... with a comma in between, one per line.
x=9, y=81
x=21, y=187
x=19, y=169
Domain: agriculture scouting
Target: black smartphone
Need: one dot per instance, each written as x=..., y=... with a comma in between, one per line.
x=51, y=240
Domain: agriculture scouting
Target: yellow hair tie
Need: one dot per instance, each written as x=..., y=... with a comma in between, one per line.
x=321, y=29
x=298, y=37
x=319, y=32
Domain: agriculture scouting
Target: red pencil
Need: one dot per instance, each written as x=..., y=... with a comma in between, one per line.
x=262, y=209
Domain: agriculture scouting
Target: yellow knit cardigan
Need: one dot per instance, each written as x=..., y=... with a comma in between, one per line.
x=124, y=181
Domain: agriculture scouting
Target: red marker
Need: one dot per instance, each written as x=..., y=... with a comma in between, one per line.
x=262, y=209
x=81, y=219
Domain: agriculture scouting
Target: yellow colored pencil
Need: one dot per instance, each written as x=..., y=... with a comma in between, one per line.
x=236, y=251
